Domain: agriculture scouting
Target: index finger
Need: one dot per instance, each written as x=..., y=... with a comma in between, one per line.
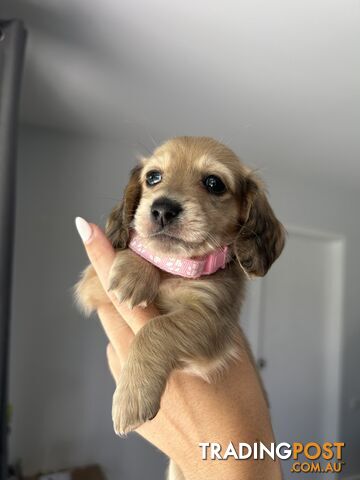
x=101, y=255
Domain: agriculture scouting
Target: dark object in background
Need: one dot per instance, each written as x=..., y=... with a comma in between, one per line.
x=92, y=472
x=12, y=44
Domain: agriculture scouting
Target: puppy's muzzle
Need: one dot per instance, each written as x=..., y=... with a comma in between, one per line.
x=164, y=210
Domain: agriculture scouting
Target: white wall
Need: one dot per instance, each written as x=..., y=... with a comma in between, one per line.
x=321, y=204
x=60, y=387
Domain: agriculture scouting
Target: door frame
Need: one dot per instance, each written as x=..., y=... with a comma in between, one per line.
x=334, y=333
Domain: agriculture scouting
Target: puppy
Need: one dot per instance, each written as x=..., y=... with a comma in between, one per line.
x=198, y=223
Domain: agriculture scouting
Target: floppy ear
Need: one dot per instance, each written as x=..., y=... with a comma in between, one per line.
x=118, y=224
x=261, y=237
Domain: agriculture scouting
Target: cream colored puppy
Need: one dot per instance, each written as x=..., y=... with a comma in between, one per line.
x=194, y=222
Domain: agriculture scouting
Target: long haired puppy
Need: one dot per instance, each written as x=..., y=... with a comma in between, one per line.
x=194, y=222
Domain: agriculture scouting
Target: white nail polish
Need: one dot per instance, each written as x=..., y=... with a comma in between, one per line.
x=83, y=228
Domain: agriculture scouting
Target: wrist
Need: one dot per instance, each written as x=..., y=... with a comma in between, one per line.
x=232, y=469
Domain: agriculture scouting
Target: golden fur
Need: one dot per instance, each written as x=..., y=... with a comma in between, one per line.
x=197, y=329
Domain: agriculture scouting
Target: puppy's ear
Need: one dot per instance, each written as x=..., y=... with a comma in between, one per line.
x=118, y=224
x=261, y=237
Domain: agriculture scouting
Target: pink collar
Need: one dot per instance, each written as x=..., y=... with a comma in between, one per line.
x=184, y=267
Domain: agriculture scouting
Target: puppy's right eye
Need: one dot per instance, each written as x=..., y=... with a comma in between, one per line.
x=153, y=177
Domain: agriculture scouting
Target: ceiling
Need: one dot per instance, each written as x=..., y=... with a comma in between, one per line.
x=278, y=80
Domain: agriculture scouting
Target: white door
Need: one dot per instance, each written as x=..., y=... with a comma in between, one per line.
x=293, y=320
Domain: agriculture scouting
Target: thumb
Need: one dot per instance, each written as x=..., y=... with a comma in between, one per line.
x=101, y=254
x=98, y=248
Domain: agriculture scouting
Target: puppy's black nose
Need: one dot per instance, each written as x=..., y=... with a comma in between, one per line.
x=164, y=210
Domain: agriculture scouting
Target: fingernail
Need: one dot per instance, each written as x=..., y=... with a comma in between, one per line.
x=84, y=229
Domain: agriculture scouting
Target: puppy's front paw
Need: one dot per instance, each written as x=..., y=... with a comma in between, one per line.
x=89, y=293
x=133, y=279
x=134, y=402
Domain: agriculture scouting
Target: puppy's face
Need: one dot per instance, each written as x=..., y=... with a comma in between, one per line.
x=192, y=196
x=189, y=197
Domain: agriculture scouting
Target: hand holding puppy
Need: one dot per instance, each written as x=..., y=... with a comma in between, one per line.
x=192, y=410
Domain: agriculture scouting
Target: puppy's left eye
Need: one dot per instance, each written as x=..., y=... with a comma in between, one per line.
x=214, y=184
x=153, y=177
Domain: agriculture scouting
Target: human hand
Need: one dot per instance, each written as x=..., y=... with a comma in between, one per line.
x=192, y=411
